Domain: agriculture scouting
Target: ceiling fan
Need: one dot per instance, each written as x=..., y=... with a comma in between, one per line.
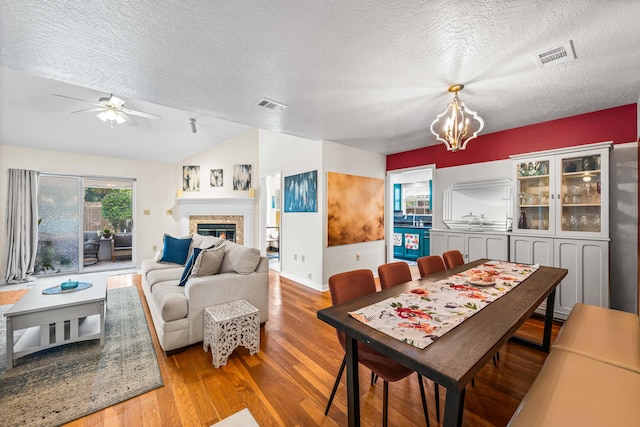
x=111, y=109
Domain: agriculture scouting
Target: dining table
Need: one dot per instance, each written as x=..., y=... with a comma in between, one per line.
x=454, y=358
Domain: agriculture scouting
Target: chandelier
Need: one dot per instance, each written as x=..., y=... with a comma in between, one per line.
x=457, y=125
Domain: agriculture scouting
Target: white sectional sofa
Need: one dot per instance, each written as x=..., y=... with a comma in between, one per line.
x=177, y=311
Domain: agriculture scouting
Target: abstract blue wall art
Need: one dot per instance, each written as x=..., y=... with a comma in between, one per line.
x=301, y=192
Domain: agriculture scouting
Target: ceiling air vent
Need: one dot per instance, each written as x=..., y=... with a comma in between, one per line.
x=272, y=105
x=556, y=55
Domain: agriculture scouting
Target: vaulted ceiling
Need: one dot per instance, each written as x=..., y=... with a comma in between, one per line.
x=372, y=74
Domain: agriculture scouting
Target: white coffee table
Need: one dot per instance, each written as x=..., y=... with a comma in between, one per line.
x=53, y=320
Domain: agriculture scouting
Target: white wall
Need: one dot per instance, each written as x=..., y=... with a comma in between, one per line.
x=348, y=160
x=155, y=189
x=301, y=233
x=242, y=149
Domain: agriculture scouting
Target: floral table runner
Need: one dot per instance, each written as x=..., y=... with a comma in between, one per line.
x=421, y=315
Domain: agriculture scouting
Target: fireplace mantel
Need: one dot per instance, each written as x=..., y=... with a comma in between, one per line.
x=217, y=206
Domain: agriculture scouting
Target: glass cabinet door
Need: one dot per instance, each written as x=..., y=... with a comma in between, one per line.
x=581, y=194
x=533, y=197
x=564, y=194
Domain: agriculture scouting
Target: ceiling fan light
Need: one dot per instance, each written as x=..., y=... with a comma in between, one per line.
x=111, y=114
x=102, y=116
x=120, y=119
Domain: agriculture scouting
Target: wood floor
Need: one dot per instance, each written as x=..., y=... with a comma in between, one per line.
x=289, y=381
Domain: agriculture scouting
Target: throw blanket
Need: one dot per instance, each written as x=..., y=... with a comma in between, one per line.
x=421, y=315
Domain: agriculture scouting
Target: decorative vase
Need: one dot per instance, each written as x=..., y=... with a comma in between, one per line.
x=522, y=222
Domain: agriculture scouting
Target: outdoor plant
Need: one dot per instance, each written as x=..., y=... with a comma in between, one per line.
x=116, y=208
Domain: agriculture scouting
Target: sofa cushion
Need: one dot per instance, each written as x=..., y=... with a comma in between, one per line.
x=243, y=260
x=189, y=267
x=209, y=262
x=175, y=250
x=203, y=242
x=122, y=240
x=171, y=301
x=163, y=275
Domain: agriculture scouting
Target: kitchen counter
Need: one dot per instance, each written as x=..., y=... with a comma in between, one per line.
x=421, y=227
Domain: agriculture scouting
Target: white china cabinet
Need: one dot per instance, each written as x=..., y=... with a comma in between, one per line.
x=563, y=192
x=561, y=219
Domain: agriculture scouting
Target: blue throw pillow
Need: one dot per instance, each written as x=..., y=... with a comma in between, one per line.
x=187, y=269
x=175, y=250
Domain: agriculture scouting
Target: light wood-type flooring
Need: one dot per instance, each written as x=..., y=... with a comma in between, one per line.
x=288, y=382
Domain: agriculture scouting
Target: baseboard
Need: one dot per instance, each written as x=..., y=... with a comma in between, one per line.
x=303, y=281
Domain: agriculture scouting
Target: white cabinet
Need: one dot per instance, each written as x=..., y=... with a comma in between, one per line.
x=473, y=245
x=588, y=278
x=563, y=192
x=587, y=263
x=531, y=250
x=561, y=219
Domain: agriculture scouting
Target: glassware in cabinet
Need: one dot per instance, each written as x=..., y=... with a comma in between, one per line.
x=563, y=192
x=533, y=202
x=581, y=194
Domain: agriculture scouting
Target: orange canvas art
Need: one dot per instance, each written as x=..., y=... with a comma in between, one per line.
x=355, y=209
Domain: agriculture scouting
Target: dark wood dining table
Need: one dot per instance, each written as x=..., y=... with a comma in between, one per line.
x=454, y=358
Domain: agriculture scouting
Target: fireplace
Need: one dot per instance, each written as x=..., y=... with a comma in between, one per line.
x=193, y=212
x=232, y=226
x=223, y=231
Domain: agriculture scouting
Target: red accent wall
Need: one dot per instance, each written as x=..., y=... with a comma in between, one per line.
x=618, y=124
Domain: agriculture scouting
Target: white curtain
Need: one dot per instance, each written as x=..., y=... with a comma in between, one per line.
x=22, y=224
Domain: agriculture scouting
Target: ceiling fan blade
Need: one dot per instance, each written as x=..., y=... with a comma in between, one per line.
x=128, y=119
x=141, y=114
x=89, y=110
x=77, y=99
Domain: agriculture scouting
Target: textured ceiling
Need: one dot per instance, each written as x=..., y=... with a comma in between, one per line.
x=371, y=74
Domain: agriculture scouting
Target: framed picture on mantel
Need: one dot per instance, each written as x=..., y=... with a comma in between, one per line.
x=241, y=177
x=215, y=178
x=190, y=178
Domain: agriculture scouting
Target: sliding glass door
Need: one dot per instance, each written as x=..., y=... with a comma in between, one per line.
x=58, y=224
x=85, y=224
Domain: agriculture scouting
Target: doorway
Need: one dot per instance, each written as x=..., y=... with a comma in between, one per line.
x=410, y=210
x=271, y=214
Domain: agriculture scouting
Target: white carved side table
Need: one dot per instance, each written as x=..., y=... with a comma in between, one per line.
x=228, y=325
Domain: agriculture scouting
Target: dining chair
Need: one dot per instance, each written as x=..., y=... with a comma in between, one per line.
x=452, y=258
x=394, y=273
x=348, y=286
x=430, y=264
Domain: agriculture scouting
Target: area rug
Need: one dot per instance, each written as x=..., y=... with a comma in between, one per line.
x=58, y=385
